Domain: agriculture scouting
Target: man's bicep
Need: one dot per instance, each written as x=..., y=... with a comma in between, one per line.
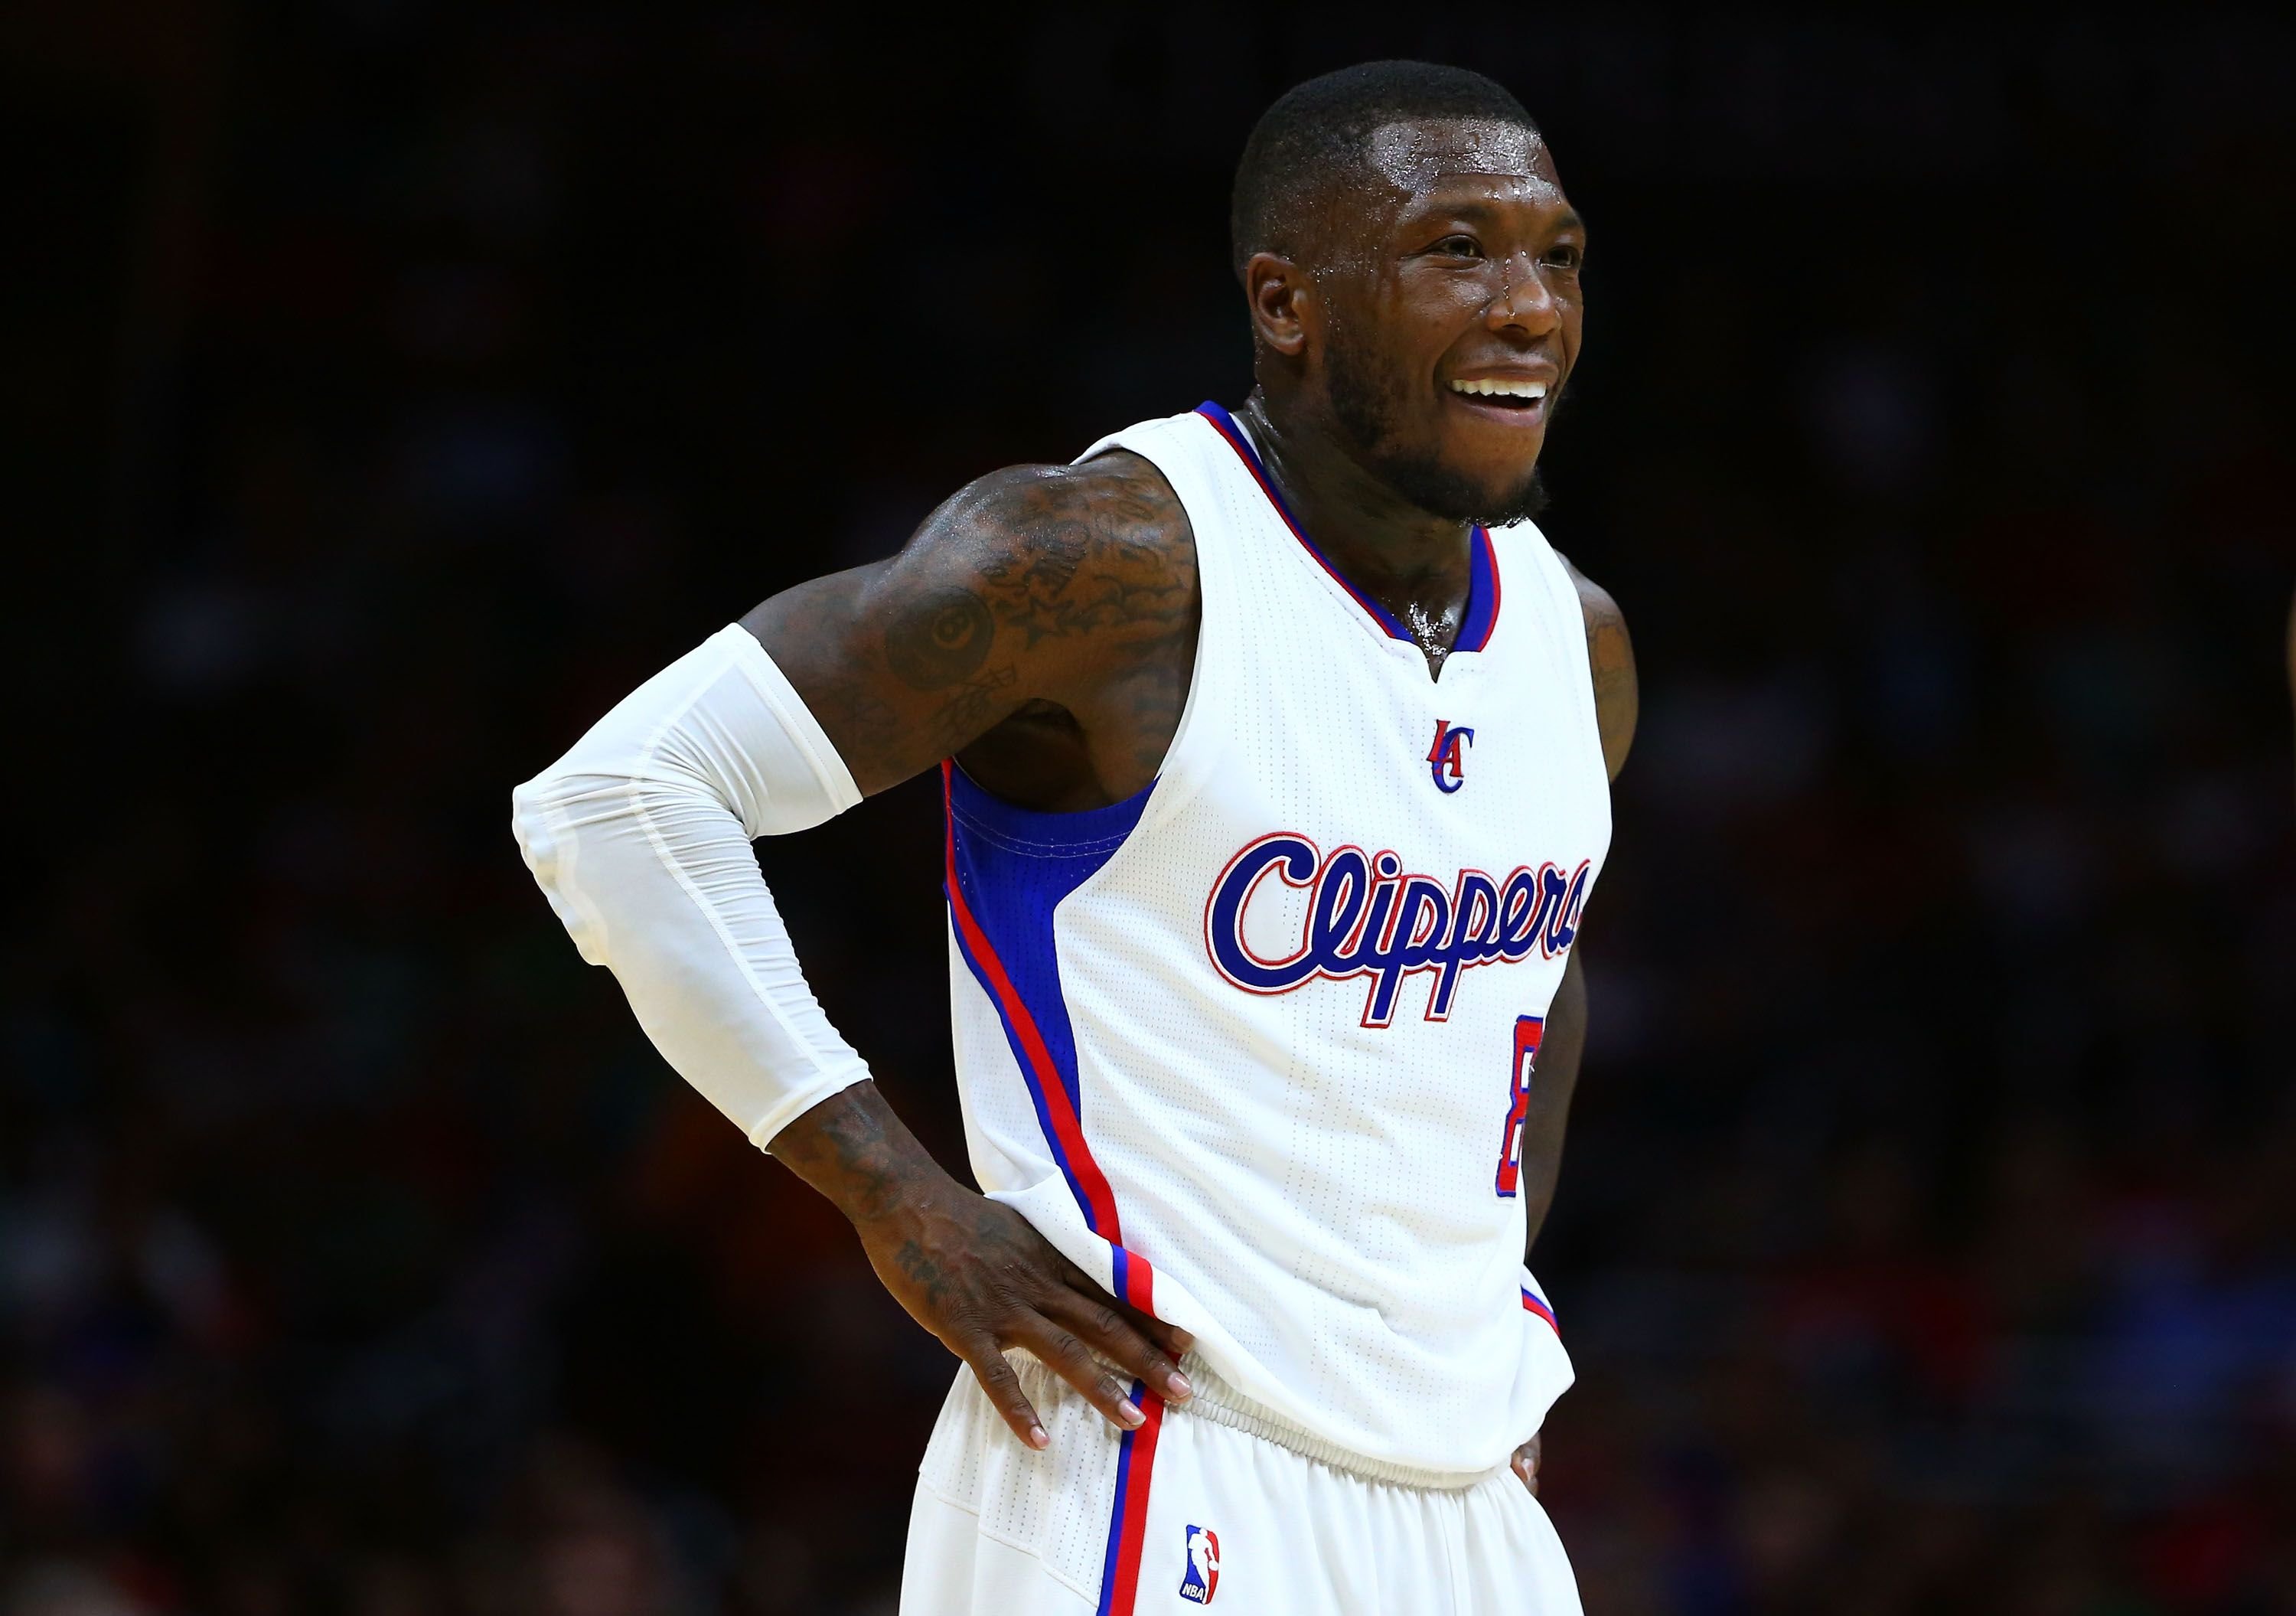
x=895, y=659
x=908, y=660
x=1034, y=583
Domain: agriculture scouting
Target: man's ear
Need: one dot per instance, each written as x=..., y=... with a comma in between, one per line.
x=1281, y=297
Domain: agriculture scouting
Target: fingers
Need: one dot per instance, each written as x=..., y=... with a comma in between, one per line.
x=1171, y=1338
x=1526, y=1464
x=1064, y=1353
x=1123, y=1336
x=1003, y=1386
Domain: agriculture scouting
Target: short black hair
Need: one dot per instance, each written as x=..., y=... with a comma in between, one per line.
x=1316, y=133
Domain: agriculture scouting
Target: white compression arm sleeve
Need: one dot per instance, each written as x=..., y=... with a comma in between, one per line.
x=640, y=836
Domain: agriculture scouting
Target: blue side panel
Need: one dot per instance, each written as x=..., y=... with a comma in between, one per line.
x=1016, y=865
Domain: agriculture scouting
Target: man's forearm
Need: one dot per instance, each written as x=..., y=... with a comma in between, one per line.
x=640, y=836
x=973, y=1271
x=854, y=1149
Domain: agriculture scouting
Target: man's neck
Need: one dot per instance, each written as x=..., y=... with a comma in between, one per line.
x=1391, y=548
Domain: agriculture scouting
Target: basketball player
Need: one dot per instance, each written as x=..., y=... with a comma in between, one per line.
x=1276, y=746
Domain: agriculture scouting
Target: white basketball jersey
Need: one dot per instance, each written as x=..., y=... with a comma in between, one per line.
x=1253, y=1047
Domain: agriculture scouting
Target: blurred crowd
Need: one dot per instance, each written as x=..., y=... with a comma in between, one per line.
x=402, y=385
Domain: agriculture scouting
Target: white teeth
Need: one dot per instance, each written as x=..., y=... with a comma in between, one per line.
x=1495, y=388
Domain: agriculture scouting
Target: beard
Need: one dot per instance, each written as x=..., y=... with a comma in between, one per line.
x=1368, y=406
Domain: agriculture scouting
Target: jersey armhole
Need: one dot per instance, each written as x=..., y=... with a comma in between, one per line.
x=1176, y=446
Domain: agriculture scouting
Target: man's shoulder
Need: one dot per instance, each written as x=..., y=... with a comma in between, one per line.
x=1117, y=492
x=1595, y=604
x=1076, y=571
x=1113, y=517
x=1611, y=659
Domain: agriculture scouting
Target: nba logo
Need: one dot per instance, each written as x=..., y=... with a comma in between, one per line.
x=1445, y=759
x=1202, y=1580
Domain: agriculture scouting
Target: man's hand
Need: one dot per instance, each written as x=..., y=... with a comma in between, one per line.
x=1526, y=1464
x=977, y=1274
x=973, y=1271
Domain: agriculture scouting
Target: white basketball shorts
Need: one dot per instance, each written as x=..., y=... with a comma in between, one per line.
x=1210, y=1504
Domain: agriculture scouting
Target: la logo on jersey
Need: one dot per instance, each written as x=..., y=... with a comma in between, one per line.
x=1202, y=1580
x=1445, y=759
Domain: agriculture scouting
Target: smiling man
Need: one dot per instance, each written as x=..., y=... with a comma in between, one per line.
x=1278, y=746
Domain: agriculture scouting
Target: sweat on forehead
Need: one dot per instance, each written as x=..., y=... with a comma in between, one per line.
x=1376, y=125
x=1412, y=155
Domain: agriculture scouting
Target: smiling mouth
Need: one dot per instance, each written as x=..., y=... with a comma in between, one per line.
x=1503, y=393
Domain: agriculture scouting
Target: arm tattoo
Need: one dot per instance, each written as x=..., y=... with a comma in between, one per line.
x=1039, y=590
x=939, y=639
x=853, y=1149
x=972, y=707
x=1084, y=559
x=917, y=1264
x=1069, y=586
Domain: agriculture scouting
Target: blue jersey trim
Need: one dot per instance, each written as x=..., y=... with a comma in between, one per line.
x=1036, y=1089
x=1109, y=1556
x=1482, y=613
x=1482, y=609
x=1031, y=832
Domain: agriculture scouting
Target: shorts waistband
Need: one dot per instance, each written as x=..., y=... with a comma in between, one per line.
x=1223, y=1404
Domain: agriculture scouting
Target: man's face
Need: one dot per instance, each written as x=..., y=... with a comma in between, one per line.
x=1452, y=315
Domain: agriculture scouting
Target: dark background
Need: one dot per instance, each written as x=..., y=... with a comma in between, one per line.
x=391, y=384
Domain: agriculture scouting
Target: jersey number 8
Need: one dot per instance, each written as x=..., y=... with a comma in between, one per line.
x=1527, y=1031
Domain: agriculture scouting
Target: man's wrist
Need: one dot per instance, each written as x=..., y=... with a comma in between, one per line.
x=904, y=1197
x=854, y=1150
